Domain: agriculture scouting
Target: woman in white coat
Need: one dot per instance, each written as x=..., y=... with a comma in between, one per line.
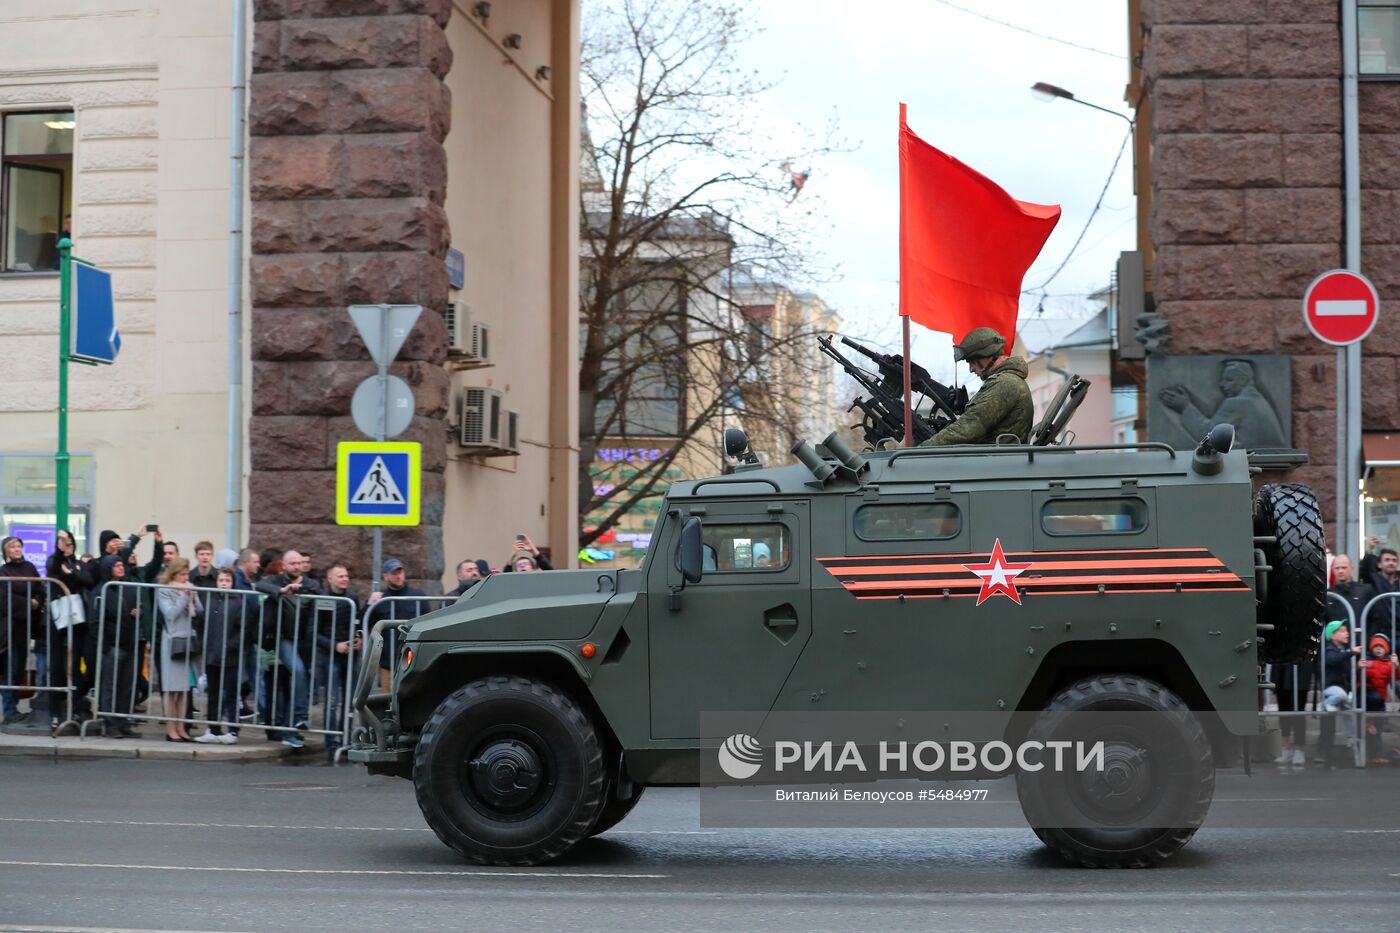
x=179, y=604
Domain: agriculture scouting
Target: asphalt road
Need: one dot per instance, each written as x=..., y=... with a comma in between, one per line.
x=130, y=844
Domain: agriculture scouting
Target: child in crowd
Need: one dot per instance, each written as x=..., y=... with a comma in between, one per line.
x=1380, y=671
x=229, y=627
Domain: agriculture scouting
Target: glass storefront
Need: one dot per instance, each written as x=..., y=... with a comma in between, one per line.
x=27, y=488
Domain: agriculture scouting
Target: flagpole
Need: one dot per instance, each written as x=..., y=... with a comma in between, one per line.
x=908, y=391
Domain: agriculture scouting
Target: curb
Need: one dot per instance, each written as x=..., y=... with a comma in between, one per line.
x=18, y=746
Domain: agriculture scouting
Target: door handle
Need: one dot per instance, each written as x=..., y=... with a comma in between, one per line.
x=781, y=621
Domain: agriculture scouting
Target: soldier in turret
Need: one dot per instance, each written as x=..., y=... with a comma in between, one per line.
x=1002, y=407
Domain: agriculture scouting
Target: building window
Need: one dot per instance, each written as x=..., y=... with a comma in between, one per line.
x=36, y=189
x=1378, y=34
x=642, y=393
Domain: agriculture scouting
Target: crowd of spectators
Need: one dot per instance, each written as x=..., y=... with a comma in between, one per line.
x=1346, y=675
x=251, y=630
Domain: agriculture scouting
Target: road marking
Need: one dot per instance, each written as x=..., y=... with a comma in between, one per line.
x=1371, y=830
x=360, y=829
x=367, y=829
x=6, y=928
x=424, y=872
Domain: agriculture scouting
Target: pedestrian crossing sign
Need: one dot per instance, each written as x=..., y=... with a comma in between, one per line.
x=377, y=483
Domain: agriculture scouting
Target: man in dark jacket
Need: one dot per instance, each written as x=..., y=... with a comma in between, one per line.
x=1356, y=593
x=288, y=621
x=337, y=647
x=149, y=573
x=469, y=574
x=119, y=625
x=395, y=585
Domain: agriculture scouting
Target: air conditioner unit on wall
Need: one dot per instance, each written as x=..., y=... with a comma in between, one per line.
x=511, y=441
x=481, y=419
x=479, y=343
x=469, y=345
x=458, y=318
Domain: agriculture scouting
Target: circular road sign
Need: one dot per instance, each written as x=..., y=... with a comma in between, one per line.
x=1341, y=307
x=368, y=405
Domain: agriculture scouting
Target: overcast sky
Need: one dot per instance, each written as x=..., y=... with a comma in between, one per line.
x=966, y=81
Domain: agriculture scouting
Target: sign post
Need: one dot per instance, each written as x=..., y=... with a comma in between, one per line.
x=87, y=333
x=383, y=404
x=1341, y=308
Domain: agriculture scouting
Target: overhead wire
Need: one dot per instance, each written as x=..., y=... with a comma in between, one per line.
x=1032, y=32
x=1092, y=214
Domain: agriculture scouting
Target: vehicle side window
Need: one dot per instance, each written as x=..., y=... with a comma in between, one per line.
x=891, y=522
x=755, y=547
x=1117, y=516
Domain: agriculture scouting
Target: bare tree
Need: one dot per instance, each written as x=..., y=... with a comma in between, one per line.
x=688, y=208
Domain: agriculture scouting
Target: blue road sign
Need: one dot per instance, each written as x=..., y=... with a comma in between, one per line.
x=94, y=331
x=377, y=483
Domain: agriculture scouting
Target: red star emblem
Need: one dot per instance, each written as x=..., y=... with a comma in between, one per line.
x=998, y=576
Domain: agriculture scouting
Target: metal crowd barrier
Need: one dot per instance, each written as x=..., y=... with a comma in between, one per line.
x=1367, y=716
x=34, y=618
x=286, y=662
x=1358, y=717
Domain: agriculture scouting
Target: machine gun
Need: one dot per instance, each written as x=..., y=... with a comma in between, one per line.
x=883, y=409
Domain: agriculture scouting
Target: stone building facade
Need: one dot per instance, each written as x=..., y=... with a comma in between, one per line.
x=381, y=134
x=1242, y=102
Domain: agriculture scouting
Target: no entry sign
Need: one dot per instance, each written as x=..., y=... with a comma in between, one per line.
x=1341, y=307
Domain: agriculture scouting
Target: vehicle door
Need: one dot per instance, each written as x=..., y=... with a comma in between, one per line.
x=728, y=642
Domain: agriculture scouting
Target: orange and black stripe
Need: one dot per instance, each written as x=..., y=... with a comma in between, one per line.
x=1055, y=573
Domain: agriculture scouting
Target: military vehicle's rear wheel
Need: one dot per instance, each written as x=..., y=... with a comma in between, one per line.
x=1153, y=791
x=509, y=771
x=1297, y=599
x=615, y=811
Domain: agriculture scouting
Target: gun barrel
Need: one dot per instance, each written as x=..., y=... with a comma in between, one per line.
x=864, y=351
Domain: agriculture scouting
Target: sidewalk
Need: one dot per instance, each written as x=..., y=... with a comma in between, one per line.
x=149, y=742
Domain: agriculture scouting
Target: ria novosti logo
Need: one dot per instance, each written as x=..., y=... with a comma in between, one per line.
x=740, y=756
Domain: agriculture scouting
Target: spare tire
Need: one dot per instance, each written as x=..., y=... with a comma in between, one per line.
x=1296, y=598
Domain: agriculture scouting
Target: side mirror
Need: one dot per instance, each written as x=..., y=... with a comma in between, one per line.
x=690, y=553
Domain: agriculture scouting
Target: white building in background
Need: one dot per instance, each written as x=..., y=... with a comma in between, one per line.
x=1082, y=351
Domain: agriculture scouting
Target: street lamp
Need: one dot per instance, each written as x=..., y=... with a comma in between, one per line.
x=1042, y=90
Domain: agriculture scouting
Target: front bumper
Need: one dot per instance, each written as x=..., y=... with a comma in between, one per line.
x=377, y=739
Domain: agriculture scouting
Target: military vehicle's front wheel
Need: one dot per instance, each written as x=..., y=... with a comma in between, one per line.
x=509, y=771
x=1143, y=798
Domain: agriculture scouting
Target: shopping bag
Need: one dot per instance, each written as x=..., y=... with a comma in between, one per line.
x=67, y=611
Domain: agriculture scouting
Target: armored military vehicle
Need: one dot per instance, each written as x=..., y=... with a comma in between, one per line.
x=1037, y=580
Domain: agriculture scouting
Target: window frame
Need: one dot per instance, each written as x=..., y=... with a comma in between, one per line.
x=1361, y=7
x=1058, y=500
x=1147, y=537
x=728, y=521
x=65, y=187
x=928, y=503
x=960, y=543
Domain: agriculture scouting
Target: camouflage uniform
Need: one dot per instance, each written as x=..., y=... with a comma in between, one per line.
x=1003, y=404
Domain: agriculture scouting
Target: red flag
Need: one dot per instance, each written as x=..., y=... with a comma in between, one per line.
x=964, y=243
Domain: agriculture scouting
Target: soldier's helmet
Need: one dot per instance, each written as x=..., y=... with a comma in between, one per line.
x=979, y=342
